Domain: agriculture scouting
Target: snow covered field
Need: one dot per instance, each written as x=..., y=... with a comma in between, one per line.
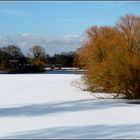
x=47, y=106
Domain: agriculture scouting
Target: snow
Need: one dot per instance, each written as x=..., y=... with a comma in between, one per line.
x=48, y=106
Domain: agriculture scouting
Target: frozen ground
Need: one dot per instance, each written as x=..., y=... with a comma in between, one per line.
x=47, y=106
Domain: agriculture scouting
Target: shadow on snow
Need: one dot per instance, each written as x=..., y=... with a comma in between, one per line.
x=93, y=131
x=61, y=107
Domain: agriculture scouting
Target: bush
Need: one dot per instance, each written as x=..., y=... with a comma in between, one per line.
x=111, y=56
x=39, y=65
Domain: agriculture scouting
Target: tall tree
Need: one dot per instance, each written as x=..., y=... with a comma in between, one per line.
x=38, y=56
x=37, y=52
x=111, y=56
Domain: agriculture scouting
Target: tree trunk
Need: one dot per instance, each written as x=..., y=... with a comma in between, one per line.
x=137, y=89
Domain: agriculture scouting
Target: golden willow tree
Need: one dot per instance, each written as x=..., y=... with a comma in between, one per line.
x=111, y=57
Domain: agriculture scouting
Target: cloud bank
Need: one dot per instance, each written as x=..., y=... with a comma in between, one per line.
x=51, y=44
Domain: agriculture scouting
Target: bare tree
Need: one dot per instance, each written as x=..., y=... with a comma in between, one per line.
x=37, y=52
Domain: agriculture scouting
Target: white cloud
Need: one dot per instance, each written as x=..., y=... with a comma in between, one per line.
x=13, y=12
x=52, y=44
x=25, y=34
x=71, y=36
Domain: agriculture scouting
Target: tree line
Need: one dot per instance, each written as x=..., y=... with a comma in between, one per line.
x=12, y=59
x=66, y=59
x=111, y=57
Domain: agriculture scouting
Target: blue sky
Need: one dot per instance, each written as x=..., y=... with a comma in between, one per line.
x=60, y=18
x=56, y=26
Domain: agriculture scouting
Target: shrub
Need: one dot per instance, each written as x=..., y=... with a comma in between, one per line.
x=111, y=56
x=39, y=65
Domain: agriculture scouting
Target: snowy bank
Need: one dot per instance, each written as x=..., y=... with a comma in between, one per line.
x=47, y=106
